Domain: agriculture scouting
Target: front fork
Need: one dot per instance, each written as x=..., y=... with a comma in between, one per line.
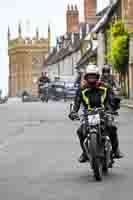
x=87, y=146
x=100, y=148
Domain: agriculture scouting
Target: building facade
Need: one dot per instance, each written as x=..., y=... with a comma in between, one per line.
x=65, y=68
x=129, y=26
x=62, y=61
x=26, y=58
x=122, y=10
x=70, y=47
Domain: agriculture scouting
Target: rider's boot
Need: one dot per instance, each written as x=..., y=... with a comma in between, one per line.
x=118, y=154
x=83, y=158
x=115, y=143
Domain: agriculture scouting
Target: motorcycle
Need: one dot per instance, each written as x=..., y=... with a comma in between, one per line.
x=97, y=143
x=44, y=98
x=44, y=94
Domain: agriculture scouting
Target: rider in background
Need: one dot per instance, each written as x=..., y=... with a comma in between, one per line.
x=109, y=80
x=43, y=80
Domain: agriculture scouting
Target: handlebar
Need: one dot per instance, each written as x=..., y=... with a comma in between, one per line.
x=87, y=112
x=77, y=118
x=112, y=113
x=96, y=109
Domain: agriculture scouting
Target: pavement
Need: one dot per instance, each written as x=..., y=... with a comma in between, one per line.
x=38, y=156
x=127, y=103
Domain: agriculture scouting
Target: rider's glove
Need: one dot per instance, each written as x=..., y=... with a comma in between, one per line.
x=73, y=115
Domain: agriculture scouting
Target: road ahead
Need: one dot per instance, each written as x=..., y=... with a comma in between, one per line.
x=39, y=151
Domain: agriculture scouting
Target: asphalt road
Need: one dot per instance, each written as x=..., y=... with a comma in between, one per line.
x=38, y=156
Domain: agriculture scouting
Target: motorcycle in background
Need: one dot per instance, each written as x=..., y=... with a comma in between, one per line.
x=44, y=92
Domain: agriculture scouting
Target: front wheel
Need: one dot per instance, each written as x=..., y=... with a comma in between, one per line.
x=42, y=99
x=96, y=161
x=47, y=100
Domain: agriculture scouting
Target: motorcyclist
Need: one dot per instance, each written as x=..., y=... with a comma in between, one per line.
x=94, y=95
x=43, y=80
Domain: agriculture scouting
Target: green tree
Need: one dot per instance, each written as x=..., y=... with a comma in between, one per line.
x=119, y=53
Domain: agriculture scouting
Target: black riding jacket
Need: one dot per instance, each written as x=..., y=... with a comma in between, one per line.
x=92, y=97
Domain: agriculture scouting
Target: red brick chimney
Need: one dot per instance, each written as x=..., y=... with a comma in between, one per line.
x=72, y=19
x=129, y=24
x=90, y=11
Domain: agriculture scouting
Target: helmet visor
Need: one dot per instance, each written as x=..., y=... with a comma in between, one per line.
x=91, y=78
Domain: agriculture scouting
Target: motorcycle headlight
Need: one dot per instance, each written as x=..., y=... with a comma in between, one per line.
x=93, y=130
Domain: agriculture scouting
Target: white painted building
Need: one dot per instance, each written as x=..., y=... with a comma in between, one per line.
x=65, y=67
x=64, y=60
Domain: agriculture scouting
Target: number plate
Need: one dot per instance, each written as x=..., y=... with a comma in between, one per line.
x=71, y=92
x=59, y=89
x=94, y=119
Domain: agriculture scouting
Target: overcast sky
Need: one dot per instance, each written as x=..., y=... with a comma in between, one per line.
x=32, y=14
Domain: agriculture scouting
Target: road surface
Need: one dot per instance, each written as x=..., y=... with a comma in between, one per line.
x=38, y=156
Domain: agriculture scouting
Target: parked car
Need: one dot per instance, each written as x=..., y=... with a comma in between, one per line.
x=3, y=100
x=26, y=97
x=70, y=90
x=56, y=90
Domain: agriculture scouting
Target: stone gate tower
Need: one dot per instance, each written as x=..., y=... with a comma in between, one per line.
x=26, y=58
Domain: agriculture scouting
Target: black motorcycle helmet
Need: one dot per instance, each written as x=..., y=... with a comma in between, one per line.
x=106, y=70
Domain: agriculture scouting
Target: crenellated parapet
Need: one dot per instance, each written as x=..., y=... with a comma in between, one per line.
x=28, y=42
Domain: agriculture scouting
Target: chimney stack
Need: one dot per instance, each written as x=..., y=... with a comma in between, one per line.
x=72, y=18
x=129, y=22
x=90, y=11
